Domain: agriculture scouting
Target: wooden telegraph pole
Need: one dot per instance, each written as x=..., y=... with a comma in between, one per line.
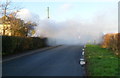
x=48, y=12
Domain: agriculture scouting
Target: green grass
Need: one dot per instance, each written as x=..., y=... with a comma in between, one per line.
x=101, y=61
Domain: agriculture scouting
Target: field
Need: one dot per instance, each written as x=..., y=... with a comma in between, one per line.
x=101, y=61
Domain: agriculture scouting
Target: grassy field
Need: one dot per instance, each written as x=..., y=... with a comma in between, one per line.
x=101, y=61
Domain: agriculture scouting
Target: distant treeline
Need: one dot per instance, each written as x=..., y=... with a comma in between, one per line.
x=12, y=44
x=112, y=41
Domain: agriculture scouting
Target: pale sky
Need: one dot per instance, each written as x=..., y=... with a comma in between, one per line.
x=103, y=12
x=66, y=0
x=64, y=10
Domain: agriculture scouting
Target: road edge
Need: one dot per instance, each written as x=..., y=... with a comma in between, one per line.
x=27, y=53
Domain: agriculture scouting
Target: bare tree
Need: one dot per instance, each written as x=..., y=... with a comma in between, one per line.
x=5, y=10
x=17, y=26
x=5, y=7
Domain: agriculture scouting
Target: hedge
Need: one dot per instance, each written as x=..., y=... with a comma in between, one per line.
x=12, y=44
x=112, y=41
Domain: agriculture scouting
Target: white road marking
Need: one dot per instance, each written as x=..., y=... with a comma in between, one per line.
x=83, y=53
x=82, y=61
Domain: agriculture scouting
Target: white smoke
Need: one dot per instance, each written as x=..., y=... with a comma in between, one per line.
x=73, y=31
x=70, y=32
x=76, y=32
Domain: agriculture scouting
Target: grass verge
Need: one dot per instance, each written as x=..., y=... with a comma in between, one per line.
x=101, y=61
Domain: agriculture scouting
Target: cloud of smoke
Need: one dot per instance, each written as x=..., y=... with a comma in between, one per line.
x=71, y=32
x=74, y=31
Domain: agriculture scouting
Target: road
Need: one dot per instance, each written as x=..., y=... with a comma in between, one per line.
x=60, y=61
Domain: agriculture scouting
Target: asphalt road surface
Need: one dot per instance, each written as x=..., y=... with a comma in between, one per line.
x=60, y=61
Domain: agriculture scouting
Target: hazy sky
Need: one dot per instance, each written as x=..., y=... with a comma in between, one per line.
x=106, y=11
x=64, y=10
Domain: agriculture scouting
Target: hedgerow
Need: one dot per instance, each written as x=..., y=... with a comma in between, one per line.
x=12, y=44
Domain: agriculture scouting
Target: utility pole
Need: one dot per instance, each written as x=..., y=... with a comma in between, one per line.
x=48, y=12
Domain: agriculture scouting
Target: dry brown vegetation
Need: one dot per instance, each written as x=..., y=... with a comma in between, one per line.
x=112, y=41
